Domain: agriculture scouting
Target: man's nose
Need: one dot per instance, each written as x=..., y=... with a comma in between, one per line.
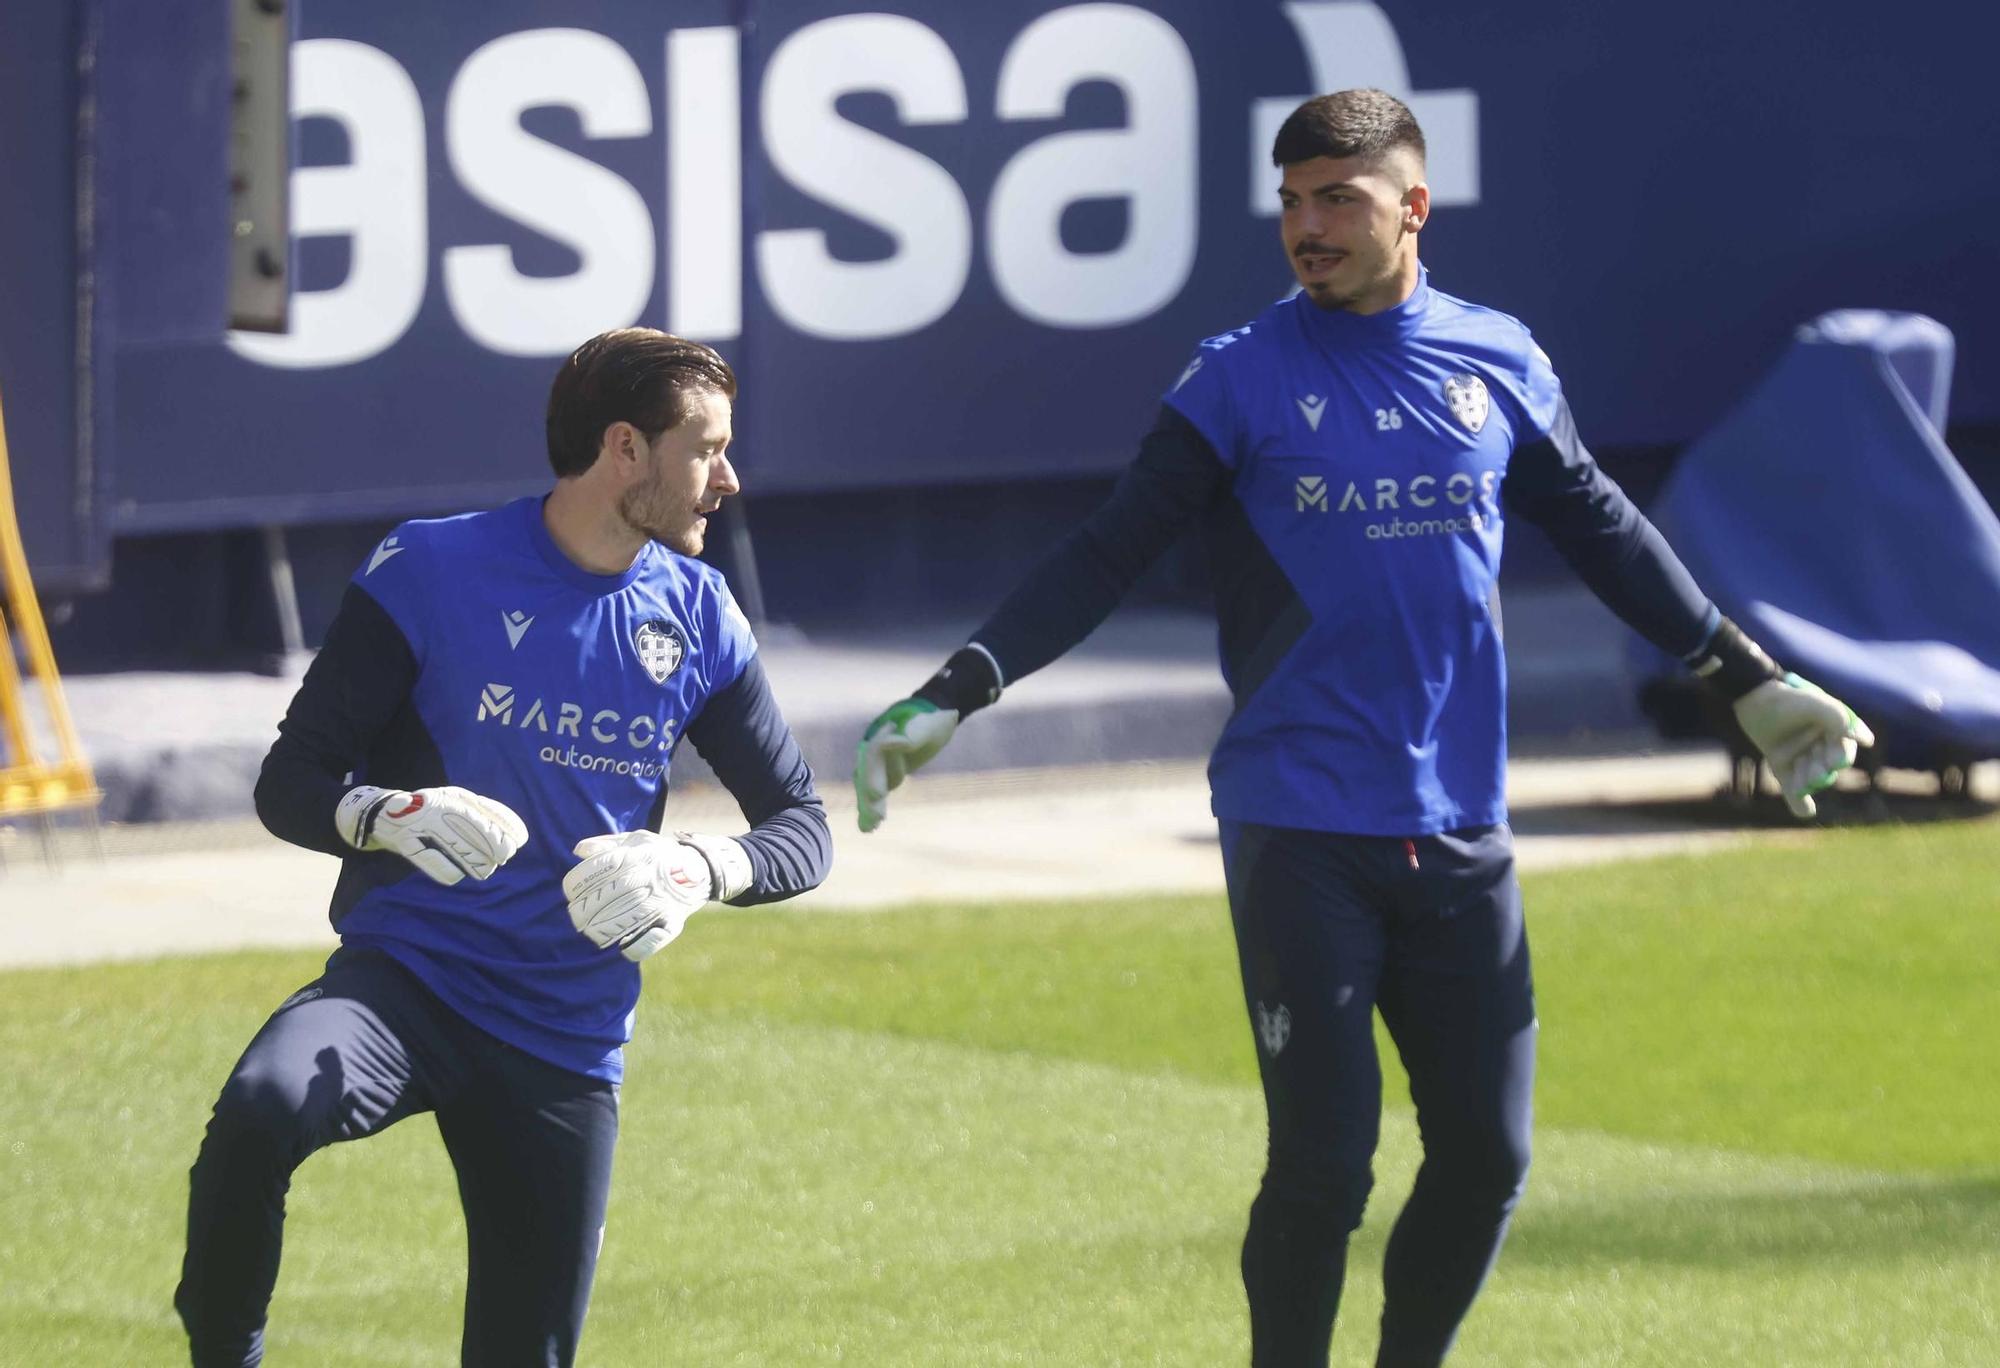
x=723, y=478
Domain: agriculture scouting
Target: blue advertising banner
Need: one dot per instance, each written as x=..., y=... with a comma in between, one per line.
x=41, y=355
x=951, y=243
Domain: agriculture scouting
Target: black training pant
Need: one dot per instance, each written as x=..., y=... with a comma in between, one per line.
x=1329, y=929
x=350, y=1055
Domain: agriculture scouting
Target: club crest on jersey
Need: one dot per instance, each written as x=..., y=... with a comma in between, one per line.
x=1274, y=1027
x=1466, y=394
x=661, y=648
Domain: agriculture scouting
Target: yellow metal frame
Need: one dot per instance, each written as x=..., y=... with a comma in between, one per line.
x=28, y=784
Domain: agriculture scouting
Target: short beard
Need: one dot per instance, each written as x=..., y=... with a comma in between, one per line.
x=1346, y=303
x=628, y=514
x=1323, y=298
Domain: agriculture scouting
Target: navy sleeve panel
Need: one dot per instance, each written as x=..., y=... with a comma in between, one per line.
x=743, y=737
x=1554, y=483
x=356, y=690
x=1175, y=478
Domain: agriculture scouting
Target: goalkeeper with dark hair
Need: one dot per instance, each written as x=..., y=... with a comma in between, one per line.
x=1350, y=458
x=485, y=741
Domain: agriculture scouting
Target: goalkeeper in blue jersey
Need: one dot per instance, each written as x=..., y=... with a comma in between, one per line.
x=1351, y=457
x=485, y=740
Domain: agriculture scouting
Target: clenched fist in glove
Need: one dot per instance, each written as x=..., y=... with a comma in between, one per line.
x=448, y=833
x=637, y=890
x=1805, y=734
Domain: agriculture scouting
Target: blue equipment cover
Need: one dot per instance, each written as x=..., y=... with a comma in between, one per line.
x=1827, y=516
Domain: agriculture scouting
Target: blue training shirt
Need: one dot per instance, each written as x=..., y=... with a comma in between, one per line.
x=520, y=676
x=1352, y=475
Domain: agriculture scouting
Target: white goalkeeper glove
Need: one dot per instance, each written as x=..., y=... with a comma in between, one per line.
x=637, y=890
x=448, y=833
x=1806, y=734
x=908, y=734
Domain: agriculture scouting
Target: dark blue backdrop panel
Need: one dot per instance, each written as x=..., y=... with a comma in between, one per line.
x=159, y=144
x=1662, y=194
x=53, y=484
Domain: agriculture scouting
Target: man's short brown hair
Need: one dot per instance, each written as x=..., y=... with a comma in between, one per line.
x=1348, y=123
x=640, y=376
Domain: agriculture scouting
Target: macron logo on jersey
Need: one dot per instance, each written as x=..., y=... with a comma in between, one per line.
x=517, y=624
x=387, y=549
x=1312, y=406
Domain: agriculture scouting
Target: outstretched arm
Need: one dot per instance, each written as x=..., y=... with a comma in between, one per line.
x=1174, y=479
x=1556, y=484
x=1807, y=735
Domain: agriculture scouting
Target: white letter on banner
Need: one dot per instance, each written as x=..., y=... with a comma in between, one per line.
x=704, y=185
x=575, y=201
x=376, y=201
x=903, y=193
x=1351, y=43
x=1151, y=164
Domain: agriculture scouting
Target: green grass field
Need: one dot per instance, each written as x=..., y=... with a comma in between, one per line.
x=1769, y=1135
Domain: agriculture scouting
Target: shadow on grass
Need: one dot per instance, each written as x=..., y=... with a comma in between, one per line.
x=1724, y=813
x=1859, y=1221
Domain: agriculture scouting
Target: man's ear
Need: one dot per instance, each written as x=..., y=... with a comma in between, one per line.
x=1416, y=207
x=621, y=443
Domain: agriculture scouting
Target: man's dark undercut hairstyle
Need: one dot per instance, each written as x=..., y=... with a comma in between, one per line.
x=1347, y=123
x=640, y=376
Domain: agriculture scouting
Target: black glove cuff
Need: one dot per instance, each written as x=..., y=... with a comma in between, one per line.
x=968, y=682
x=1732, y=664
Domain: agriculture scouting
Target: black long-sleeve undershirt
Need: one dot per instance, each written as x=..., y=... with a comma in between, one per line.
x=1173, y=481
x=1555, y=483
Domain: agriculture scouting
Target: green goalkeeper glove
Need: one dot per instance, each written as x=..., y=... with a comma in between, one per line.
x=909, y=733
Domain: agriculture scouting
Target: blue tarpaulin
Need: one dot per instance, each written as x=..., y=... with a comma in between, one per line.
x=1826, y=515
